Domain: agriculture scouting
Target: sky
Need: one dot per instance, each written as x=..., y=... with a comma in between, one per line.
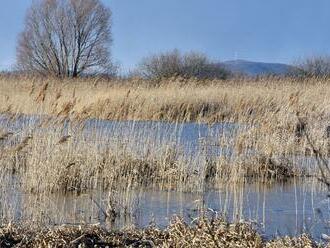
x=280, y=31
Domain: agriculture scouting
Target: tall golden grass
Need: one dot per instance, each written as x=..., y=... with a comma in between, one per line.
x=53, y=156
x=269, y=108
x=176, y=99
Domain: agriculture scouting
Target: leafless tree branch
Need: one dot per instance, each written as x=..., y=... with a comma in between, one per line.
x=66, y=38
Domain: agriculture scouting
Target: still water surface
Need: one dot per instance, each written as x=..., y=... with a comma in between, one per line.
x=289, y=208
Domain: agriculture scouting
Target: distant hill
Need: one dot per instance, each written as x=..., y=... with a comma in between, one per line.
x=256, y=68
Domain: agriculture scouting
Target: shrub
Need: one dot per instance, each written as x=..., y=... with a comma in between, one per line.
x=313, y=67
x=189, y=65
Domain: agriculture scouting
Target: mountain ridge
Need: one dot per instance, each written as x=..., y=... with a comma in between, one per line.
x=252, y=68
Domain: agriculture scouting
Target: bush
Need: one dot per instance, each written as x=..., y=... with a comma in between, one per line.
x=313, y=67
x=189, y=65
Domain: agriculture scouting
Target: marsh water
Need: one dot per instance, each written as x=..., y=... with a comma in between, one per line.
x=289, y=207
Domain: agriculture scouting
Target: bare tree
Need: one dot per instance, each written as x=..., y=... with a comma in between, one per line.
x=161, y=65
x=66, y=38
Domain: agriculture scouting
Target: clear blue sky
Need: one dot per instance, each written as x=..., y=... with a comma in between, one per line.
x=259, y=30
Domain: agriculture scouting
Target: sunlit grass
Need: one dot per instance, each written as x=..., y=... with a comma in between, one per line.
x=56, y=156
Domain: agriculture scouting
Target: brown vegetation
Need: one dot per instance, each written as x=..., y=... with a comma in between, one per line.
x=174, y=100
x=267, y=109
x=202, y=233
x=274, y=116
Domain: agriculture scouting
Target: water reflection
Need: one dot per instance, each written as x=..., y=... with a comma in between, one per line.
x=289, y=208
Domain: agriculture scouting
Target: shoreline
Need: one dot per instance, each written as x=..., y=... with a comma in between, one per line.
x=202, y=233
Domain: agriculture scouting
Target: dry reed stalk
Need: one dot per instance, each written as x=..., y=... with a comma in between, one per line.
x=42, y=93
x=66, y=109
x=22, y=145
x=214, y=101
x=5, y=135
x=64, y=139
x=265, y=109
x=203, y=233
x=87, y=163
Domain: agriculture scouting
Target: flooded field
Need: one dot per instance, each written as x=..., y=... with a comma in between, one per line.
x=290, y=208
x=289, y=205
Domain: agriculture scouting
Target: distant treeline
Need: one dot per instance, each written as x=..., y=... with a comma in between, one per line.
x=194, y=65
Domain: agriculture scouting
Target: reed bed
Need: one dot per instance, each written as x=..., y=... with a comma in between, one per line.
x=54, y=151
x=201, y=233
x=172, y=100
x=272, y=115
x=53, y=157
